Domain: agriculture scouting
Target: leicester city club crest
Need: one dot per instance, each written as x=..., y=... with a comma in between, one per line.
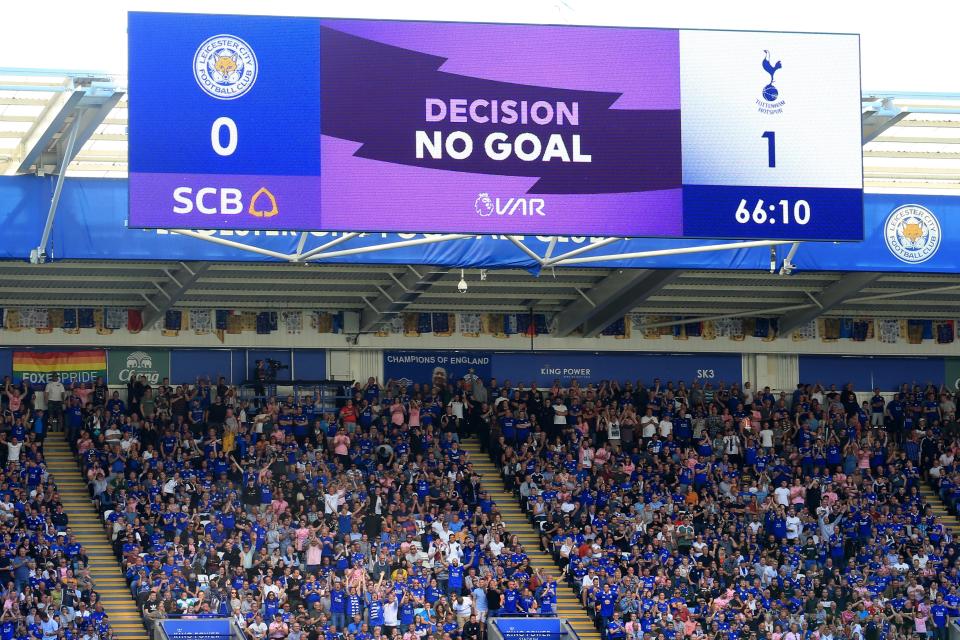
x=225, y=67
x=912, y=233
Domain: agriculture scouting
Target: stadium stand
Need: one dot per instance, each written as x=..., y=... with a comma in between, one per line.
x=49, y=589
x=764, y=232
x=715, y=513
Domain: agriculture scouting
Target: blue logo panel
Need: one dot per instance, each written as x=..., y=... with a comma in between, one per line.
x=264, y=75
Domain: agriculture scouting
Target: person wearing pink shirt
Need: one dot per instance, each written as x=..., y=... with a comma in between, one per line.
x=341, y=446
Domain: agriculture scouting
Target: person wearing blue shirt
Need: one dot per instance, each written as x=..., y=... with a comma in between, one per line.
x=451, y=627
x=547, y=593
x=614, y=629
x=508, y=427
x=877, y=406
x=778, y=525
x=39, y=421
x=371, y=390
x=355, y=625
x=115, y=406
x=7, y=628
x=375, y=612
x=939, y=618
x=527, y=603
x=406, y=612
x=479, y=595
x=338, y=606
x=523, y=426
x=510, y=598
x=606, y=603
x=455, y=577
x=433, y=592
x=354, y=603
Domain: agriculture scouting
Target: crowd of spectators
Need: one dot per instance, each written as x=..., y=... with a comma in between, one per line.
x=733, y=513
x=46, y=589
x=672, y=511
x=357, y=522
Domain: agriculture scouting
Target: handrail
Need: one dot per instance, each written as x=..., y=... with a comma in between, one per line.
x=156, y=630
x=569, y=633
x=493, y=633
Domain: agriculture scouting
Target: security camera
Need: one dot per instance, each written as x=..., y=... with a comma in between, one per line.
x=462, y=285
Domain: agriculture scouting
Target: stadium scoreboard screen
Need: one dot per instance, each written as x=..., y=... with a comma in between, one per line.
x=267, y=123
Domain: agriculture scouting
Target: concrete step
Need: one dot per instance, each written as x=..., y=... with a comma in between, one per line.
x=939, y=508
x=85, y=524
x=568, y=605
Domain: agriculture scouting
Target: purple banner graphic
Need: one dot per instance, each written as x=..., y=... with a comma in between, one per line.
x=484, y=149
x=572, y=141
x=235, y=202
x=477, y=203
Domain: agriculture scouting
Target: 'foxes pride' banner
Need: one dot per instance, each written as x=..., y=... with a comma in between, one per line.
x=37, y=368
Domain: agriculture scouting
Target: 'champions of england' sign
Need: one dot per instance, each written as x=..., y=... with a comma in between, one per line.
x=437, y=367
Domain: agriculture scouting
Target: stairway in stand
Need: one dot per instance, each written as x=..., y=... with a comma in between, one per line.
x=939, y=508
x=107, y=575
x=568, y=606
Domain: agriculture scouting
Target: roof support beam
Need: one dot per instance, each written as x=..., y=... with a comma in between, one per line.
x=169, y=293
x=613, y=296
x=394, y=298
x=831, y=297
x=39, y=255
x=84, y=109
x=884, y=115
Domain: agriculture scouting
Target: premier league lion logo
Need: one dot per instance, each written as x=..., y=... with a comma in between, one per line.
x=483, y=205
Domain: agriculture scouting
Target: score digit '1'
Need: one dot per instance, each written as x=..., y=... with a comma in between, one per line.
x=218, y=125
x=771, y=148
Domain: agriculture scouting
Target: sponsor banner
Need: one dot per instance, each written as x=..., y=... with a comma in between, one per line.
x=540, y=628
x=37, y=368
x=130, y=364
x=204, y=629
x=411, y=367
x=564, y=366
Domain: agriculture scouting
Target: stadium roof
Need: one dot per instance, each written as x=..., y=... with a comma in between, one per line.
x=911, y=144
x=589, y=297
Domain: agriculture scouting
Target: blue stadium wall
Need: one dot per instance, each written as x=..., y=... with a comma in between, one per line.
x=91, y=224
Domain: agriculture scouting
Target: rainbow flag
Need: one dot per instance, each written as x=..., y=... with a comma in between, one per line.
x=37, y=367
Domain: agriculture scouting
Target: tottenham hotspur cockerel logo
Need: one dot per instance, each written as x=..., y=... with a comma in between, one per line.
x=770, y=101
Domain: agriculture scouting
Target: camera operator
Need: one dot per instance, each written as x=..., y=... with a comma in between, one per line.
x=260, y=373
